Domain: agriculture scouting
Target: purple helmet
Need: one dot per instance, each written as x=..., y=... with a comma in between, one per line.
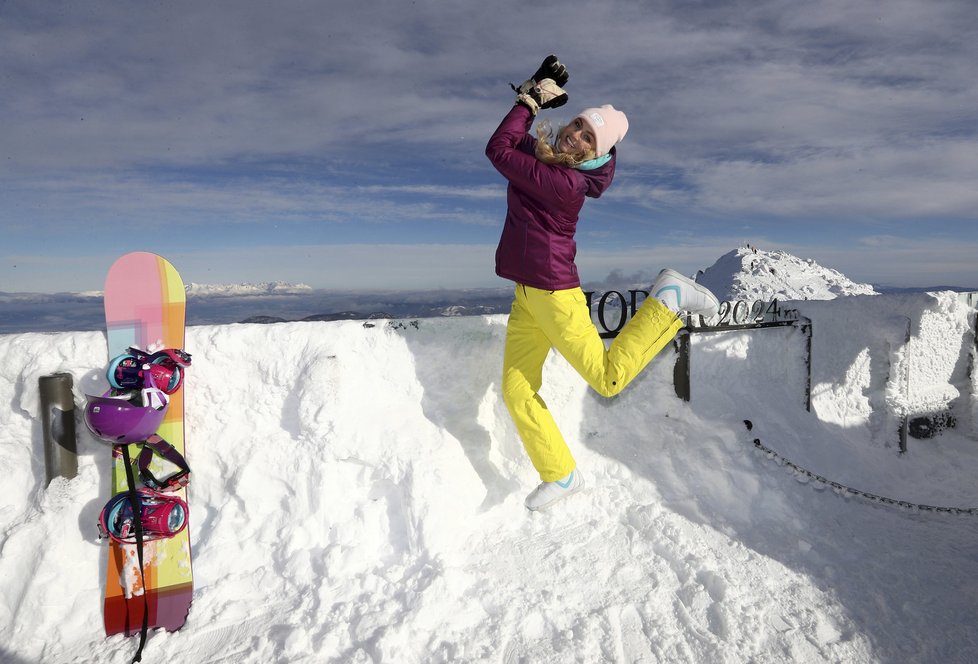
x=115, y=418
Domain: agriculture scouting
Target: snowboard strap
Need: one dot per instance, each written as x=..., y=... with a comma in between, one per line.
x=156, y=444
x=137, y=521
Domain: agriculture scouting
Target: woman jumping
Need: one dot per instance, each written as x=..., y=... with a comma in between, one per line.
x=548, y=181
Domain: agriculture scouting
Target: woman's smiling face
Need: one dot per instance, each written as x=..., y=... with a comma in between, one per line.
x=575, y=138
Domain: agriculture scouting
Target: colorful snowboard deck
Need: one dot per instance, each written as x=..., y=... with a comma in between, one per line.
x=145, y=306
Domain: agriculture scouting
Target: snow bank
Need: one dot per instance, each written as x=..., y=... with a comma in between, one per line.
x=882, y=364
x=357, y=497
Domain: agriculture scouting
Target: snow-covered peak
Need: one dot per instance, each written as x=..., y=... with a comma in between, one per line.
x=262, y=288
x=749, y=274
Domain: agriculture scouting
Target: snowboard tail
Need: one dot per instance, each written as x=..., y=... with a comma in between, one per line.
x=145, y=307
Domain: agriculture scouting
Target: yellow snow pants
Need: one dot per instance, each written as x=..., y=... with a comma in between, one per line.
x=541, y=320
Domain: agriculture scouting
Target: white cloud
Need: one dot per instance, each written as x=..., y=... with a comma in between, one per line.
x=351, y=266
x=935, y=178
x=144, y=202
x=246, y=111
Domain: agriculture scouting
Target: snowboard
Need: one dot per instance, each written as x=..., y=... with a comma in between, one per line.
x=145, y=305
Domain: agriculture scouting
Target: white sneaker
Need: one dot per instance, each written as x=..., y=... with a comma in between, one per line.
x=549, y=493
x=680, y=294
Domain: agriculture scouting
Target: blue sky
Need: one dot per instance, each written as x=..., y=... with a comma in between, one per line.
x=341, y=144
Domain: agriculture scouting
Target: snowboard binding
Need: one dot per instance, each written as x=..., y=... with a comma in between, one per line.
x=129, y=370
x=162, y=516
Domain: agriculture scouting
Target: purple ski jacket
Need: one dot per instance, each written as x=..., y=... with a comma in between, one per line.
x=537, y=246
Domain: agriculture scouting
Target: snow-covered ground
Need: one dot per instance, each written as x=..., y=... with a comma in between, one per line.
x=357, y=497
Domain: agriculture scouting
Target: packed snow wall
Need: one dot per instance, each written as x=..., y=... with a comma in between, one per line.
x=351, y=476
x=890, y=368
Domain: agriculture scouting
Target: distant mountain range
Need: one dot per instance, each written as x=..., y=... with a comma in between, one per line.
x=746, y=273
x=262, y=288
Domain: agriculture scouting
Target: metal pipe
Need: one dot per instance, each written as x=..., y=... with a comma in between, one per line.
x=58, y=425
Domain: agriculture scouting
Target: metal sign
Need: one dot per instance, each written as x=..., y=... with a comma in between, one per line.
x=615, y=308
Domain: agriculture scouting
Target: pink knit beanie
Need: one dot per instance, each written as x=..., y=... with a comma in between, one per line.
x=608, y=124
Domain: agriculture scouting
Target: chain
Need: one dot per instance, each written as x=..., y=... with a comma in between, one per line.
x=844, y=490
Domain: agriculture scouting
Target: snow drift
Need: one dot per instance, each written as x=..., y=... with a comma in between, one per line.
x=357, y=497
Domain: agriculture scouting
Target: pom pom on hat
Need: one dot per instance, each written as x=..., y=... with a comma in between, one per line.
x=608, y=124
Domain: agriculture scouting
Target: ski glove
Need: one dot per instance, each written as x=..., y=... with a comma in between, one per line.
x=543, y=89
x=545, y=94
x=550, y=68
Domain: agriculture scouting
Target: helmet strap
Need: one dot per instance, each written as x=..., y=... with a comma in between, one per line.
x=156, y=444
x=137, y=522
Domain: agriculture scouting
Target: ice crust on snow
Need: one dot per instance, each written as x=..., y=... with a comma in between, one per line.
x=357, y=497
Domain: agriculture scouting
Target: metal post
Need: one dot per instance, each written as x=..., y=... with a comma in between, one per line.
x=58, y=426
x=807, y=329
x=680, y=373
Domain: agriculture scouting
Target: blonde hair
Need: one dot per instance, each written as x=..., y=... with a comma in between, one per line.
x=546, y=152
